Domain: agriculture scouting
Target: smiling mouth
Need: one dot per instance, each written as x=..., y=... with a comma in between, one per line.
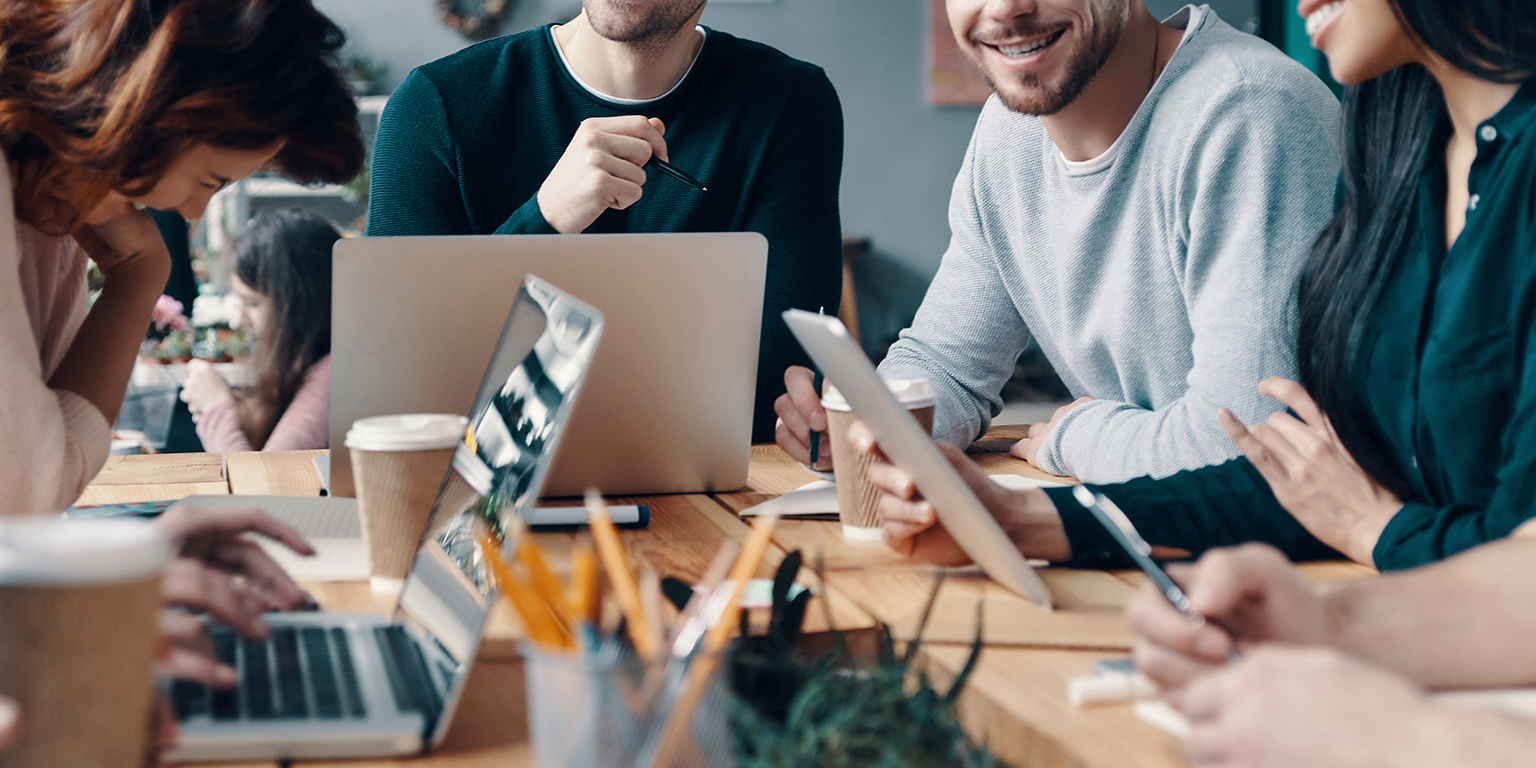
x=1030, y=48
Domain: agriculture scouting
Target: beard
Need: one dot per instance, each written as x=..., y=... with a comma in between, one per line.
x=1028, y=94
x=658, y=23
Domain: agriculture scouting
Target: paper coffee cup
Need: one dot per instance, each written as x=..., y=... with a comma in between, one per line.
x=398, y=465
x=79, y=602
x=856, y=497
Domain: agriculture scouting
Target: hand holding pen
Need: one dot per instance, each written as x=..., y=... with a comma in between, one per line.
x=1246, y=595
x=603, y=168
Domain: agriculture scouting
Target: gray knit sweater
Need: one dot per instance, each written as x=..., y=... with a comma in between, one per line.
x=1159, y=279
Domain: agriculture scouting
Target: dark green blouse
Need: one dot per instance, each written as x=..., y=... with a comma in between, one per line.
x=467, y=140
x=1449, y=377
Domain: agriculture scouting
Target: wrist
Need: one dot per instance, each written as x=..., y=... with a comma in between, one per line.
x=1034, y=526
x=1367, y=532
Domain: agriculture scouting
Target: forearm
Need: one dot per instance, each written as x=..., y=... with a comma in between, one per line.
x=101, y=357
x=1112, y=442
x=1465, y=622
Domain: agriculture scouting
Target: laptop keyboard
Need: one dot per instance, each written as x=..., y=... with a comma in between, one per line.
x=298, y=673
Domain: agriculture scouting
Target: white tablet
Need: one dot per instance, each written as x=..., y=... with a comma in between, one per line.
x=903, y=440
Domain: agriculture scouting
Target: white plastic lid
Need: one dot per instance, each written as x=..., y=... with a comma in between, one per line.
x=407, y=432
x=57, y=550
x=911, y=393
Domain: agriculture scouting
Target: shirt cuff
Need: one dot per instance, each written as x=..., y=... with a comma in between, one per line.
x=527, y=220
x=1092, y=546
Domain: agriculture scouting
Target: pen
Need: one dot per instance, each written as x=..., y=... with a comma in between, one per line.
x=816, y=385
x=1119, y=526
x=667, y=168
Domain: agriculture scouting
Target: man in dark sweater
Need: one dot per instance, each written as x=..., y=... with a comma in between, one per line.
x=549, y=131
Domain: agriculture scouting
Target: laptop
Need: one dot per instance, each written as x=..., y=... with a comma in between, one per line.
x=668, y=407
x=333, y=685
x=909, y=445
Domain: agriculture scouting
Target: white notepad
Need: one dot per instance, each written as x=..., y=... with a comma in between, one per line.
x=329, y=524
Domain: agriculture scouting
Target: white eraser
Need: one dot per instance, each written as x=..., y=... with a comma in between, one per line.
x=1109, y=688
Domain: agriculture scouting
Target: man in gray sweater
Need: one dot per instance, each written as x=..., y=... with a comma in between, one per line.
x=1138, y=197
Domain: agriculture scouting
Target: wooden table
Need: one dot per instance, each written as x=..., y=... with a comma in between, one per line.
x=1016, y=700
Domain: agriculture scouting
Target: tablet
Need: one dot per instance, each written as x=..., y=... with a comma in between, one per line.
x=904, y=441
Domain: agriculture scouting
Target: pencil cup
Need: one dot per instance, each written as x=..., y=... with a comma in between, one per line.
x=594, y=711
x=398, y=466
x=79, y=601
x=856, y=497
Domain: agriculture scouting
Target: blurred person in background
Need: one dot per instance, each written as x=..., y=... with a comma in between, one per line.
x=282, y=274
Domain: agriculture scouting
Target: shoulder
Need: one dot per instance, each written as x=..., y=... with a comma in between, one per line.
x=486, y=55
x=748, y=58
x=319, y=372
x=767, y=74
x=1221, y=72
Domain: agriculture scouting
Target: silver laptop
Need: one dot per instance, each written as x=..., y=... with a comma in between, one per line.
x=328, y=685
x=668, y=408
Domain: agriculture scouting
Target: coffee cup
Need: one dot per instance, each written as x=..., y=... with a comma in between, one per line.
x=79, y=603
x=398, y=466
x=856, y=497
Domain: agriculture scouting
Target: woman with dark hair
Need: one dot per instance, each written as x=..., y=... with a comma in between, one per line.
x=108, y=107
x=283, y=278
x=1412, y=435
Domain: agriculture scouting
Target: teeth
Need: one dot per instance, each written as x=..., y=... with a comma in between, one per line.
x=1016, y=51
x=1319, y=17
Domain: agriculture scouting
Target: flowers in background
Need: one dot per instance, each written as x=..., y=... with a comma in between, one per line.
x=166, y=318
x=215, y=311
x=172, y=338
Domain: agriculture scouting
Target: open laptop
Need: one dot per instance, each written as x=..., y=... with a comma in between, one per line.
x=329, y=685
x=668, y=408
x=909, y=445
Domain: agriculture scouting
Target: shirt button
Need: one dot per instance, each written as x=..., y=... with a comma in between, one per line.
x=1472, y=203
x=1488, y=133
x=1415, y=462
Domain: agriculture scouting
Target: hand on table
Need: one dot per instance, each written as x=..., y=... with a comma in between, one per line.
x=603, y=167
x=1312, y=474
x=1250, y=594
x=800, y=413
x=1283, y=707
x=912, y=525
x=204, y=389
x=1028, y=448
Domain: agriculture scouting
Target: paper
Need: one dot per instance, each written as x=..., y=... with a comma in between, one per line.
x=1520, y=702
x=329, y=524
x=819, y=498
x=323, y=466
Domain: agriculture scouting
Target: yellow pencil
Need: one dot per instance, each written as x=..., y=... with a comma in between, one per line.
x=537, y=620
x=545, y=583
x=584, y=585
x=611, y=550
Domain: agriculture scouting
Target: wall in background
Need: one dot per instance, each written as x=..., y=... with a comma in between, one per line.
x=901, y=155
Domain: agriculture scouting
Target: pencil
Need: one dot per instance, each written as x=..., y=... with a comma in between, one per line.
x=667, y=168
x=606, y=537
x=715, y=640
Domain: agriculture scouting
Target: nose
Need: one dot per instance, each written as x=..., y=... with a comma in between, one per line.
x=193, y=207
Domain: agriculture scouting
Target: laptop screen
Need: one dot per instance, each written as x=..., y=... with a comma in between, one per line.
x=523, y=403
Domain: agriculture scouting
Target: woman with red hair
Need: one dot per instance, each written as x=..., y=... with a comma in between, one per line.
x=108, y=107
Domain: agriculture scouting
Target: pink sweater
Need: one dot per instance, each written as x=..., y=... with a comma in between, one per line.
x=52, y=442
x=306, y=424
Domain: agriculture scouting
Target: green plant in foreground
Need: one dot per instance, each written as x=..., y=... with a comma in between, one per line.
x=836, y=713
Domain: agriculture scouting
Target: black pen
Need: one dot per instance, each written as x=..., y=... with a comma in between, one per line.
x=816, y=385
x=667, y=168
